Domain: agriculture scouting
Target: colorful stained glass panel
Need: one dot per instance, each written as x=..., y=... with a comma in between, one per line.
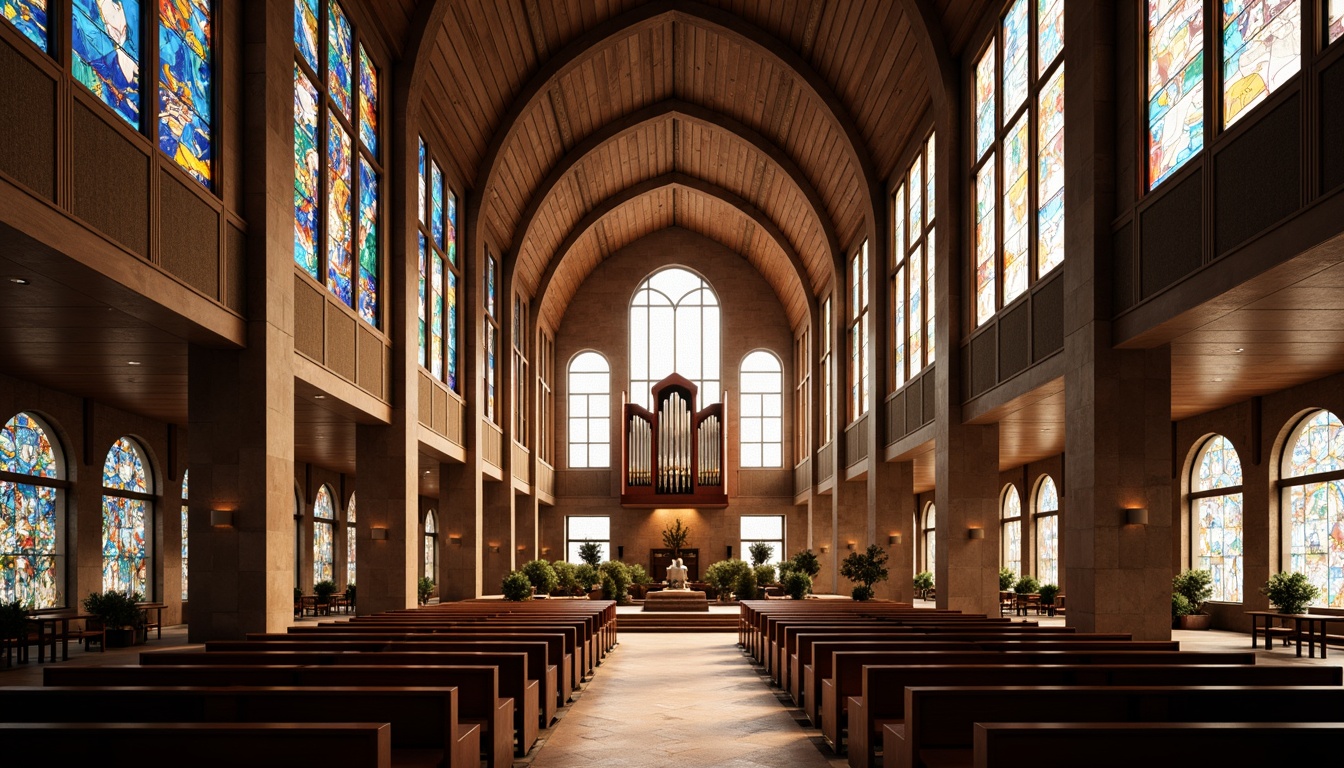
x=124, y=469
x=368, y=243
x=324, y=552
x=930, y=202
x=28, y=523
x=1175, y=85
x=984, y=243
x=898, y=301
x=1316, y=512
x=1012, y=546
x=1050, y=175
x=490, y=270
x=1016, y=161
x=916, y=201
x=338, y=211
x=423, y=281
x=305, y=30
x=124, y=544
x=916, y=305
x=25, y=448
x=1047, y=553
x=450, y=298
x=1016, y=34
x=450, y=245
x=1336, y=21
x=984, y=102
x=929, y=295
x=898, y=226
x=1318, y=446
x=1218, y=544
x=185, y=80
x=368, y=102
x=185, y=532
x=436, y=203
x=1219, y=465
x=350, y=542
x=29, y=17
x=1049, y=32
x=1262, y=46
x=420, y=211
x=305, y=173
x=105, y=36
x=340, y=61
x=436, y=318
x=1047, y=496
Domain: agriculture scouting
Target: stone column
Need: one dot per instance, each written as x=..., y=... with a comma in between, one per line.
x=460, y=532
x=497, y=528
x=388, y=500
x=966, y=497
x=851, y=524
x=895, y=509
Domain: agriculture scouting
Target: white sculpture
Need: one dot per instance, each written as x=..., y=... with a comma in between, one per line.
x=676, y=575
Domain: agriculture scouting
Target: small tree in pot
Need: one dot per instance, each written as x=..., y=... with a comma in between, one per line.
x=586, y=575
x=723, y=577
x=590, y=552
x=865, y=569
x=1006, y=579
x=676, y=536
x=567, y=580
x=1195, y=586
x=120, y=616
x=541, y=575
x=923, y=583
x=796, y=584
x=1048, y=594
x=517, y=587
x=760, y=553
x=1290, y=592
x=423, y=589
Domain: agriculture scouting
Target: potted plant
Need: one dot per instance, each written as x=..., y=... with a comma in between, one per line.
x=590, y=552
x=639, y=580
x=541, y=576
x=723, y=577
x=760, y=553
x=13, y=627
x=517, y=587
x=923, y=583
x=796, y=584
x=765, y=574
x=865, y=569
x=615, y=581
x=1180, y=608
x=423, y=589
x=1048, y=594
x=1290, y=592
x=806, y=562
x=121, y=618
x=324, y=590
x=1195, y=586
x=1006, y=579
x=745, y=588
x=350, y=594
x=585, y=576
x=567, y=582
x=675, y=537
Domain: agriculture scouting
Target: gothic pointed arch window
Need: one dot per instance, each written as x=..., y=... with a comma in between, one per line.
x=1215, y=510
x=186, y=475
x=350, y=541
x=674, y=328
x=1011, y=525
x=1047, y=531
x=128, y=485
x=1313, y=503
x=32, y=475
x=431, y=563
x=761, y=418
x=589, y=427
x=324, y=548
x=929, y=534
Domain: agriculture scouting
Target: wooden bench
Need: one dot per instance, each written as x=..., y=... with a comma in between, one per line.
x=200, y=745
x=478, y=700
x=878, y=715
x=941, y=720
x=576, y=646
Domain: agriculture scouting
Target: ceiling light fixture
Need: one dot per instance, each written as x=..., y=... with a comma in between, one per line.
x=132, y=362
x=18, y=281
x=319, y=397
x=1241, y=349
x=1217, y=378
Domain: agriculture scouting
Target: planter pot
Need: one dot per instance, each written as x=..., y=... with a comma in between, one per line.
x=121, y=637
x=1197, y=621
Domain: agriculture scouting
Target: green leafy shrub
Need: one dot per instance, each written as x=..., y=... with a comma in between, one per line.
x=923, y=583
x=807, y=562
x=1179, y=605
x=541, y=575
x=13, y=619
x=567, y=581
x=590, y=552
x=638, y=575
x=1006, y=579
x=724, y=575
x=865, y=569
x=586, y=575
x=1048, y=593
x=517, y=587
x=1026, y=585
x=423, y=589
x=746, y=585
x=116, y=609
x=1196, y=586
x=1290, y=592
x=765, y=574
x=862, y=592
x=796, y=584
x=619, y=577
x=760, y=553
x=324, y=590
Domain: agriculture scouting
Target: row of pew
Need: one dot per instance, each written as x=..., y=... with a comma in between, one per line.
x=892, y=685
x=453, y=686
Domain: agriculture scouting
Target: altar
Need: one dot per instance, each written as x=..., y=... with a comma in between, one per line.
x=676, y=600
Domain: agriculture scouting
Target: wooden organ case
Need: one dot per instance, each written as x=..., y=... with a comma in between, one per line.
x=674, y=456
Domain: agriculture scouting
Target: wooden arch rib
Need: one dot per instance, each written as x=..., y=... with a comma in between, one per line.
x=545, y=296
x=676, y=108
x=719, y=21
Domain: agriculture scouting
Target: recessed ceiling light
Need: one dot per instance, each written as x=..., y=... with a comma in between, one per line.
x=132, y=362
x=1241, y=349
x=18, y=281
x=426, y=471
x=319, y=397
x=1218, y=378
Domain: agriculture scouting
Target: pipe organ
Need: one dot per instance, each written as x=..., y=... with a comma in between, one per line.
x=674, y=455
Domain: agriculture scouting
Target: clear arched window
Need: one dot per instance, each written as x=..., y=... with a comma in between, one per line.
x=589, y=411
x=762, y=416
x=324, y=550
x=31, y=527
x=127, y=486
x=185, y=478
x=1215, y=512
x=674, y=328
x=431, y=546
x=1314, y=504
x=1011, y=529
x=930, y=536
x=1047, y=531
x=350, y=542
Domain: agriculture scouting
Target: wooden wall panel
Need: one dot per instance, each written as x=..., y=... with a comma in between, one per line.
x=28, y=123
x=113, y=189
x=188, y=236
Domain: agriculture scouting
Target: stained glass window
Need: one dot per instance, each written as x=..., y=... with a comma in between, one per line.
x=1019, y=154
x=185, y=83
x=324, y=548
x=491, y=338
x=422, y=325
x=185, y=480
x=350, y=542
x=858, y=333
x=1315, y=508
x=1215, y=504
x=431, y=547
x=346, y=95
x=761, y=419
x=438, y=272
x=589, y=432
x=1335, y=29
x=1012, y=530
x=930, y=535
x=1262, y=46
x=30, y=526
x=827, y=367
x=105, y=37
x=1175, y=85
x=126, y=500
x=674, y=327
x=29, y=17
x=1047, y=531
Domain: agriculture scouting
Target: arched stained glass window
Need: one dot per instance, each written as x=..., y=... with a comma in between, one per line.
x=761, y=420
x=1047, y=531
x=1012, y=530
x=674, y=328
x=31, y=528
x=326, y=115
x=186, y=475
x=439, y=271
x=431, y=546
x=350, y=542
x=1314, y=505
x=1215, y=507
x=589, y=411
x=930, y=535
x=324, y=548
x=127, y=488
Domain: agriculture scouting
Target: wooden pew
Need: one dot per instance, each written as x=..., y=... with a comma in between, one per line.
x=846, y=678
x=425, y=727
x=479, y=702
x=878, y=714
x=940, y=721
x=200, y=745
x=575, y=646
x=1120, y=745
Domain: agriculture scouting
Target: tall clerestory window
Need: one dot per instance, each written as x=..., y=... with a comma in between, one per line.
x=491, y=337
x=589, y=427
x=1335, y=21
x=431, y=564
x=336, y=166
x=827, y=375
x=1011, y=530
x=929, y=534
x=350, y=542
x=324, y=547
x=761, y=420
x=32, y=481
x=440, y=274
x=1047, y=531
x=858, y=333
x=1215, y=505
x=127, y=495
x=674, y=328
x=518, y=321
x=1019, y=154
x=1313, y=503
x=912, y=275
x=186, y=476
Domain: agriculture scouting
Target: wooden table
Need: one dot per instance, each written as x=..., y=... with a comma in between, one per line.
x=1314, y=623
x=157, y=623
x=45, y=620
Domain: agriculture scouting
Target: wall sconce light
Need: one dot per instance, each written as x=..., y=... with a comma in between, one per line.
x=522, y=547
x=976, y=533
x=825, y=549
x=378, y=534
x=456, y=541
x=221, y=518
x=1136, y=517
x=494, y=548
x=545, y=550
x=894, y=538
x=851, y=546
